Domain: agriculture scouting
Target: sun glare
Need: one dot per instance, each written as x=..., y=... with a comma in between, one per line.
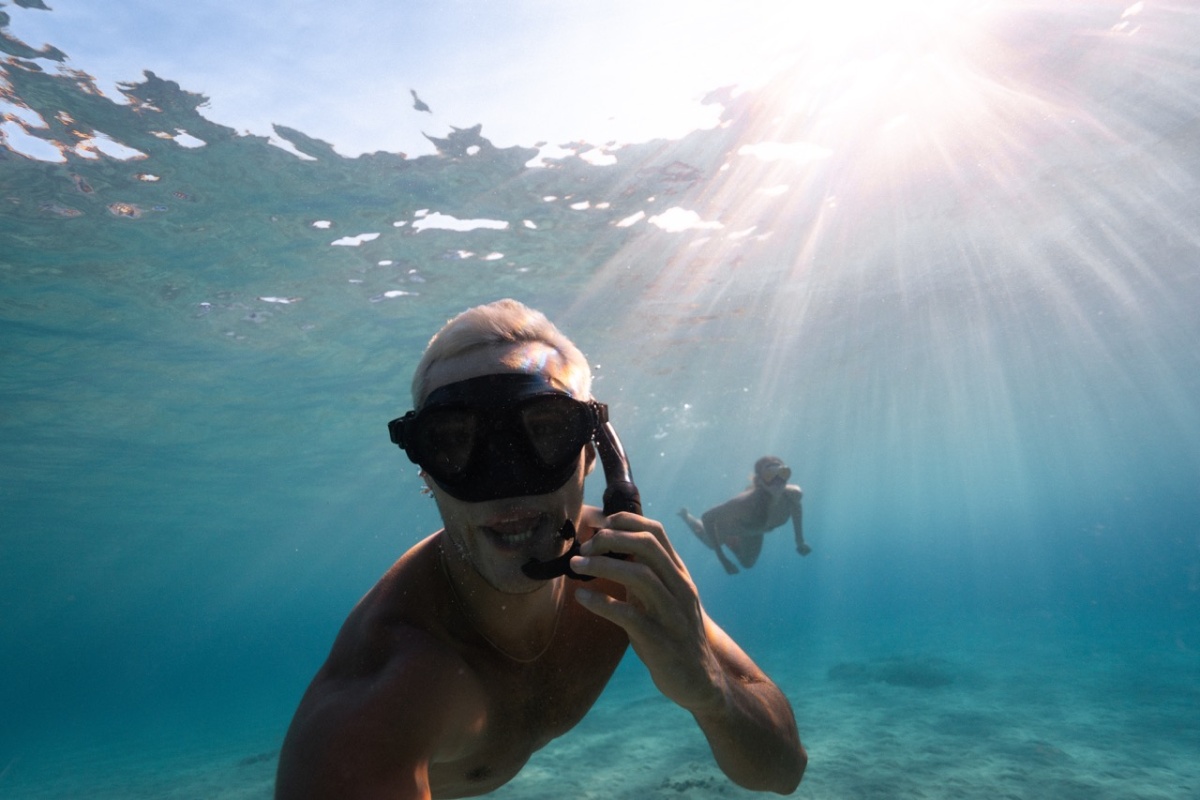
x=836, y=30
x=891, y=140
x=872, y=63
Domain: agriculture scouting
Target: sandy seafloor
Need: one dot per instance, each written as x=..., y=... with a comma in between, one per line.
x=989, y=710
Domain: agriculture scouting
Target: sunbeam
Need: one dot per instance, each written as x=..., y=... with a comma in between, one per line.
x=939, y=188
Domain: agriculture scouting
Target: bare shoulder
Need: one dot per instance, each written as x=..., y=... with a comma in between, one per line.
x=392, y=697
x=794, y=492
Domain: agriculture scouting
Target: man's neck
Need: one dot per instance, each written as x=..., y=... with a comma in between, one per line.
x=519, y=626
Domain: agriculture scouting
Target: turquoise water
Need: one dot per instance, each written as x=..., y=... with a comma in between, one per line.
x=975, y=345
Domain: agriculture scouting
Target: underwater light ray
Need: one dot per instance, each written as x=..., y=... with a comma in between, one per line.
x=730, y=201
x=940, y=234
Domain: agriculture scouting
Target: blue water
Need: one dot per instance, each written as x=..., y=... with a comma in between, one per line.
x=978, y=355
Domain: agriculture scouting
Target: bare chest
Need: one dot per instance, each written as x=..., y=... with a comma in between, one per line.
x=529, y=705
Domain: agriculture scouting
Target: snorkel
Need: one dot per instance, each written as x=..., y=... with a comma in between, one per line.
x=620, y=494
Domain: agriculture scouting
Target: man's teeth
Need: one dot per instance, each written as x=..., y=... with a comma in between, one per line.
x=517, y=538
x=513, y=534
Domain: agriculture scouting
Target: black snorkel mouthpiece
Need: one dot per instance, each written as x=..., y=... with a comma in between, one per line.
x=546, y=570
x=620, y=494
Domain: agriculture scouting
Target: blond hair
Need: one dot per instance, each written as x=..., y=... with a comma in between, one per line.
x=502, y=322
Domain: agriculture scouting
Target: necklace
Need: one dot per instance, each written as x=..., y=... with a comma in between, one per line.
x=466, y=613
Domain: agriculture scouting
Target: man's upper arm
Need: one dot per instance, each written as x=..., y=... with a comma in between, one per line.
x=376, y=734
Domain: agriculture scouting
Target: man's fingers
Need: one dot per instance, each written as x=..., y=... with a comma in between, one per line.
x=626, y=521
x=643, y=586
x=616, y=612
x=644, y=630
x=641, y=548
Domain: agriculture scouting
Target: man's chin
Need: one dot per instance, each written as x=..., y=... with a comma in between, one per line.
x=511, y=578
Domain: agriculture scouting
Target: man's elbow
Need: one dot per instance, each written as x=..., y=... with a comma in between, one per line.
x=795, y=772
x=781, y=778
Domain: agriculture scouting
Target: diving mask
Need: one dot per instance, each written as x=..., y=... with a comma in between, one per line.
x=498, y=436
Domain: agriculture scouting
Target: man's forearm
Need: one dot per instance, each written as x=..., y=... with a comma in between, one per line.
x=753, y=737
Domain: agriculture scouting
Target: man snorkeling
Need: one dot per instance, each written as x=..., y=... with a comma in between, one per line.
x=490, y=638
x=741, y=522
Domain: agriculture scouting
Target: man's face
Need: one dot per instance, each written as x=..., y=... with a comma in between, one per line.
x=498, y=536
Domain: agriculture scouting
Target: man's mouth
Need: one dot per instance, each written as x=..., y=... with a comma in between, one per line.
x=515, y=531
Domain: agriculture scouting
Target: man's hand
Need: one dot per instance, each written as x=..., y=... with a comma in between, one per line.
x=748, y=722
x=803, y=548
x=661, y=613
